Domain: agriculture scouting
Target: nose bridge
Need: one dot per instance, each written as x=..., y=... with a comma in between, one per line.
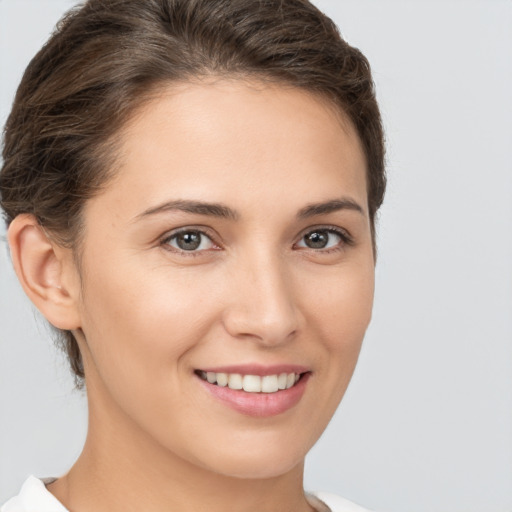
x=263, y=305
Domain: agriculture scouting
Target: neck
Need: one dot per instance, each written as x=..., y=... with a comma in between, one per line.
x=121, y=469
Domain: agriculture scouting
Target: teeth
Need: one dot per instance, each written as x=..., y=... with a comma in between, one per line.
x=252, y=383
x=269, y=384
x=222, y=379
x=235, y=381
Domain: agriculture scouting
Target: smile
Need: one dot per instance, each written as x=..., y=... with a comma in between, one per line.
x=255, y=390
x=251, y=383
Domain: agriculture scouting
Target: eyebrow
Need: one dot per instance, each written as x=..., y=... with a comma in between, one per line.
x=333, y=205
x=225, y=212
x=197, y=207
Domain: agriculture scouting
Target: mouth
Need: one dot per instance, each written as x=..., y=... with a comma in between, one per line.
x=251, y=383
x=256, y=391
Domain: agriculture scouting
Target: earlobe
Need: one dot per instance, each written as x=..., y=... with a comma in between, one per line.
x=46, y=272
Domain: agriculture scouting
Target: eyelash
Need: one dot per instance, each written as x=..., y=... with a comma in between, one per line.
x=165, y=242
x=346, y=239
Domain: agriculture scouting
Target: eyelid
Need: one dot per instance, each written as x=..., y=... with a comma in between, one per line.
x=203, y=230
x=346, y=237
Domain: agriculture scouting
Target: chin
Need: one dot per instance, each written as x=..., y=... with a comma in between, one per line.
x=258, y=460
x=249, y=469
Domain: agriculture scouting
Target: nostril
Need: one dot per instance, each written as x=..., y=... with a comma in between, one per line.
x=269, y=329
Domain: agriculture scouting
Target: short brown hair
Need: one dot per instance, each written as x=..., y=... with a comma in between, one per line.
x=107, y=55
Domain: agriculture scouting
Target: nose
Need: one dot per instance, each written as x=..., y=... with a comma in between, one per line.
x=262, y=306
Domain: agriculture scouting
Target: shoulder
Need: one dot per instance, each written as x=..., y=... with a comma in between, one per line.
x=334, y=503
x=33, y=497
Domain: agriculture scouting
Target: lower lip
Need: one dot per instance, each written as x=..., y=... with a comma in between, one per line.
x=259, y=404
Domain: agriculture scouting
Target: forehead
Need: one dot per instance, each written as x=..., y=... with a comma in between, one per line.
x=236, y=141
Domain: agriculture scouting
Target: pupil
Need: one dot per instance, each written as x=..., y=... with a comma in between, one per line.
x=189, y=241
x=317, y=239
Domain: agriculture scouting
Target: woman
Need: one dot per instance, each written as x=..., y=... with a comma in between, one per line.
x=191, y=188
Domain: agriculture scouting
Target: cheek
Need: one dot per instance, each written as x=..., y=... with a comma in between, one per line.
x=145, y=323
x=338, y=315
x=139, y=333
x=341, y=308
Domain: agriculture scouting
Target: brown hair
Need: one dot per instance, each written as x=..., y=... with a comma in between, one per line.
x=106, y=56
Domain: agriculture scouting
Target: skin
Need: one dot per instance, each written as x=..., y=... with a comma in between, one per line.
x=147, y=315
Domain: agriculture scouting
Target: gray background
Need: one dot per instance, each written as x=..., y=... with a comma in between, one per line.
x=427, y=422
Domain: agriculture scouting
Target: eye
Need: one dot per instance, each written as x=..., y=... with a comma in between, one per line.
x=324, y=239
x=189, y=240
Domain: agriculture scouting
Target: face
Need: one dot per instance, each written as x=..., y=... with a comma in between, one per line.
x=233, y=249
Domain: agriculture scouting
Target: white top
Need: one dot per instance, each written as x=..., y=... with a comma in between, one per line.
x=34, y=497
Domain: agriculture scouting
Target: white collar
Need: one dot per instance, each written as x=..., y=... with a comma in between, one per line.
x=34, y=496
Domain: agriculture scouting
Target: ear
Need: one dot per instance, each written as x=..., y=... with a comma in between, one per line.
x=46, y=271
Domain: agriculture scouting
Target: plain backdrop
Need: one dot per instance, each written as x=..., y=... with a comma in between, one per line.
x=427, y=422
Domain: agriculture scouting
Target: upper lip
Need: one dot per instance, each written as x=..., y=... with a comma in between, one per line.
x=257, y=369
